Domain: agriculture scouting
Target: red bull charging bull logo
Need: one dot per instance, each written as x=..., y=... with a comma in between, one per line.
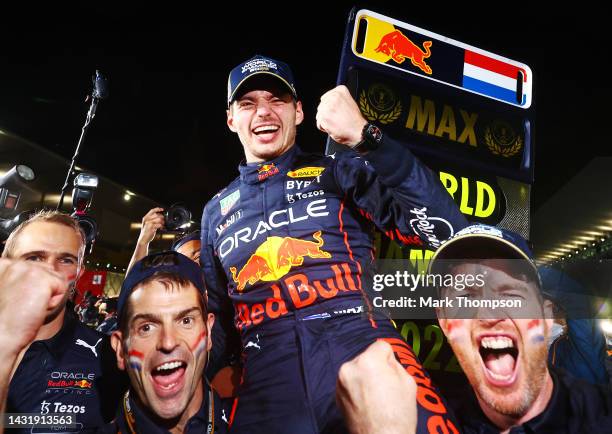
x=275, y=257
x=397, y=46
x=266, y=171
x=84, y=384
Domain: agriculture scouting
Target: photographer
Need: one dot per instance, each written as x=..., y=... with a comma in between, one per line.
x=151, y=222
x=188, y=245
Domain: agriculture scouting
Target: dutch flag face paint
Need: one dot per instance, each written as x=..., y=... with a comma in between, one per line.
x=535, y=331
x=200, y=344
x=456, y=330
x=136, y=358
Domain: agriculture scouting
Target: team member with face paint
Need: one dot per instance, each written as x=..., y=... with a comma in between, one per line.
x=163, y=342
x=504, y=352
x=65, y=368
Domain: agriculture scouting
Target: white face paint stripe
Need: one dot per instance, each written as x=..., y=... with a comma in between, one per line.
x=535, y=331
x=454, y=329
x=200, y=344
x=136, y=359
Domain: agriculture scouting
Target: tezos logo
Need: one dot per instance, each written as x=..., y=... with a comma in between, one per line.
x=58, y=407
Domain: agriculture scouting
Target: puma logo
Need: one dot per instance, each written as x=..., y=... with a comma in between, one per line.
x=82, y=343
x=253, y=344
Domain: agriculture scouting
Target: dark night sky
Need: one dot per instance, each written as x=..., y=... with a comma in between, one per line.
x=162, y=131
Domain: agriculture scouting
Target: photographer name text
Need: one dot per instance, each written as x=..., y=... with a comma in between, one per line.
x=435, y=302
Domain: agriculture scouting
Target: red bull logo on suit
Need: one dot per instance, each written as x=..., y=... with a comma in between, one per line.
x=275, y=257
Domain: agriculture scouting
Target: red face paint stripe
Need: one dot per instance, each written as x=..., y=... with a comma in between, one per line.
x=135, y=353
x=533, y=323
x=200, y=338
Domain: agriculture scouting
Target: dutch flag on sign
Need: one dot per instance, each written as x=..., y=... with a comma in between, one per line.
x=496, y=78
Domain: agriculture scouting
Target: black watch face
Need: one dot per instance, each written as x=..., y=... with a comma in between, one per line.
x=375, y=133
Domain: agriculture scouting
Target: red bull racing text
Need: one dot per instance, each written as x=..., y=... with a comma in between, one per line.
x=302, y=292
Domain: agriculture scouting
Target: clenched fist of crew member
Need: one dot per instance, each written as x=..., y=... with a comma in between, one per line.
x=29, y=292
x=339, y=116
x=376, y=394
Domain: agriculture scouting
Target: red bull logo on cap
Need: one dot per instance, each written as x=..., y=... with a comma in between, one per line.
x=275, y=257
x=397, y=46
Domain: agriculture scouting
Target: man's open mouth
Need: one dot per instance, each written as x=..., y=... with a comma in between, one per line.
x=266, y=131
x=168, y=377
x=500, y=359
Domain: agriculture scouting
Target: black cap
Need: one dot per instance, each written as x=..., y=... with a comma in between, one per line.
x=480, y=241
x=168, y=262
x=259, y=65
x=192, y=236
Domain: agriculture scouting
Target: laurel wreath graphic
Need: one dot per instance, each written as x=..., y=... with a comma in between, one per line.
x=495, y=149
x=373, y=115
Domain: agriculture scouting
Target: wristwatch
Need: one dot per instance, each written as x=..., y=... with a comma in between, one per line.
x=371, y=139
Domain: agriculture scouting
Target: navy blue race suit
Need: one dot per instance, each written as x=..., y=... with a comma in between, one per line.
x=73, y=373
x=287, y=253
x=211, y=417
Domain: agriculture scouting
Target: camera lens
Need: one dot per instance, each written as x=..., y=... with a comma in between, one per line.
x=177, y=218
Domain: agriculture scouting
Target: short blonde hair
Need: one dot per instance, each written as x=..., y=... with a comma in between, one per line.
x=46, y=216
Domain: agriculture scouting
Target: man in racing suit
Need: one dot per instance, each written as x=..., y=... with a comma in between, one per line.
x=289, y=244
